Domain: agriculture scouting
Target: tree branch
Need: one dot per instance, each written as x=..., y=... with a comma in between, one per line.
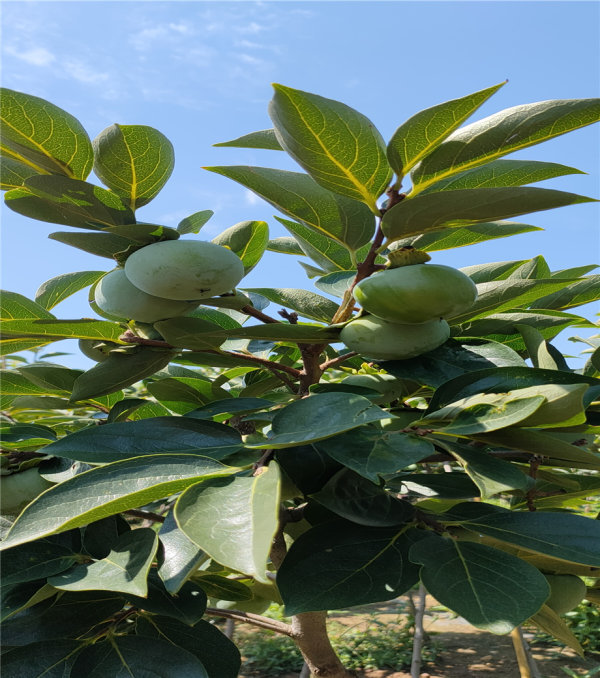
x=251, y=618
x=259, y=315
x=336, y=361
x=145, y=515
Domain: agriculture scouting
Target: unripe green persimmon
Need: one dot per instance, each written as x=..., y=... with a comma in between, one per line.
x=566, y=592
x=18, y=489
x=184, y=269
x=117, y=296
x=96, y=350
x=416, y=294
x=379, y=339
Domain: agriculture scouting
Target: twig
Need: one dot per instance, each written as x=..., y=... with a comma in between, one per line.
x=145, y=515
x=336, y=361
x=415, y=667
x=259, y=315
x=251, y=618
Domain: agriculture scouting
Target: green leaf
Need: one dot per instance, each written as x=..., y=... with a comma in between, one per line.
x=285, y=245
x=158, y=435
x=264, y=138
x=102, y=244
x=457, y=574
x=47, y=659
x=500, y=173
x=538, y=348
x=424, y=131
x=230, y=406
x=15, y=306
x=497, y=270
x=52, y=329
x=13, y=173
x=37, y=560
x=336, y=283
x=248, y=240
x=194, y=222
x=179, y=557
x=317, y=417
x=125, y=569
x=218, y=654
x=134, y=161
x=338, y=146
x=535, y=268
x=482, y=413
x=137, y=657
x=96, y=494
x=561, y=535
x=184, y=394
x=55, y=290
x=350, y=496
x=347, y=221
x=197, y=334
x=575, y=294
x=234, y=520
x=372, y=452
x=504, y=132
x=547, y=620
x=339, y=564
x=307, y=304
x=43, y=136
x=450, y=238
x=71, y=202
x=465, y=207
x=490, y=474
x=454, y=358
x=118, y=371
x=50, y=378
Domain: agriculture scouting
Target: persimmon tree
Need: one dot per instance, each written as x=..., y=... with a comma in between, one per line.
x=221, y=455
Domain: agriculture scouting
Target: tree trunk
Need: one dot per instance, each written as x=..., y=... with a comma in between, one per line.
x=310, y=635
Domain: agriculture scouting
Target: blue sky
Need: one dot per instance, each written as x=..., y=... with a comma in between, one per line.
x=200, y=72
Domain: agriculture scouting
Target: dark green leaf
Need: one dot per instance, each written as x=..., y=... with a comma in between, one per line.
x=423, y=132
x=46, y=659
x=338, y=146
x=96, y=494
x=102, y=244
x=37, y=560
x=339, y=564
x=43, y=136
x=230, y=406
x=68, y=201
x=432, y=211
x=134, y=161
x=194, y=222
x=248, y=240
x=347, y=221
x=264, y=138
x=55, y=290
x=457, y=574
x=307, y=304
x=502, y=133
x=183, y=394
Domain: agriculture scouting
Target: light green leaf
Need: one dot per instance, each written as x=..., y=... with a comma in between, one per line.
x=125, y=568
x=500, y=173
x=71, y=202
x=336, y=283
x=179, y=557
x=194, y=222
x=449, y=238
x=234, y=520
x=504, y=132
x=15, y=306
x=298, y=196
x=537, y=348
x=159, y=435
x=184, y=394
x=317, y=417
x=52, y=329
x=432, y=211
x=497, y=270
x=307, y=304
x=109, y=489
x=338, y=146
x=285, y=245
x=134, y=161
x=43, y=136
x=577, y=293
x=264, y=138
x=248, y=240
x=547, y=620
x=13, y=173
x=424, y=131
x=338, y=564
x=55, y=290
x=457, y=574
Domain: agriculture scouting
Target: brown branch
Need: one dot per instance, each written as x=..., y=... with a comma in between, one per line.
x=145, y=515
x=251, y=618
x=259, y=315
x=336, y=361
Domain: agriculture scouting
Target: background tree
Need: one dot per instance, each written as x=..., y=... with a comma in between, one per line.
x=216, y=451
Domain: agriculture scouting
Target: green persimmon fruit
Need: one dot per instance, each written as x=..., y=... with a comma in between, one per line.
x=18, y=489
x=416, y=293
x=566, y=592
x=117, y=296
x=184, y=269
x=95, y=349
x=379, y=339
x=390, y=387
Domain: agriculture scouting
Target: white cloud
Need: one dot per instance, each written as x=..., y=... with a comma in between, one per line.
x=81, y=72
x=252, y=28
x=37, y=56
x=251, y=198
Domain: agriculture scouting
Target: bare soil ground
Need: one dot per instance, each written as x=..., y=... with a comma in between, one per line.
x=467, y=652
